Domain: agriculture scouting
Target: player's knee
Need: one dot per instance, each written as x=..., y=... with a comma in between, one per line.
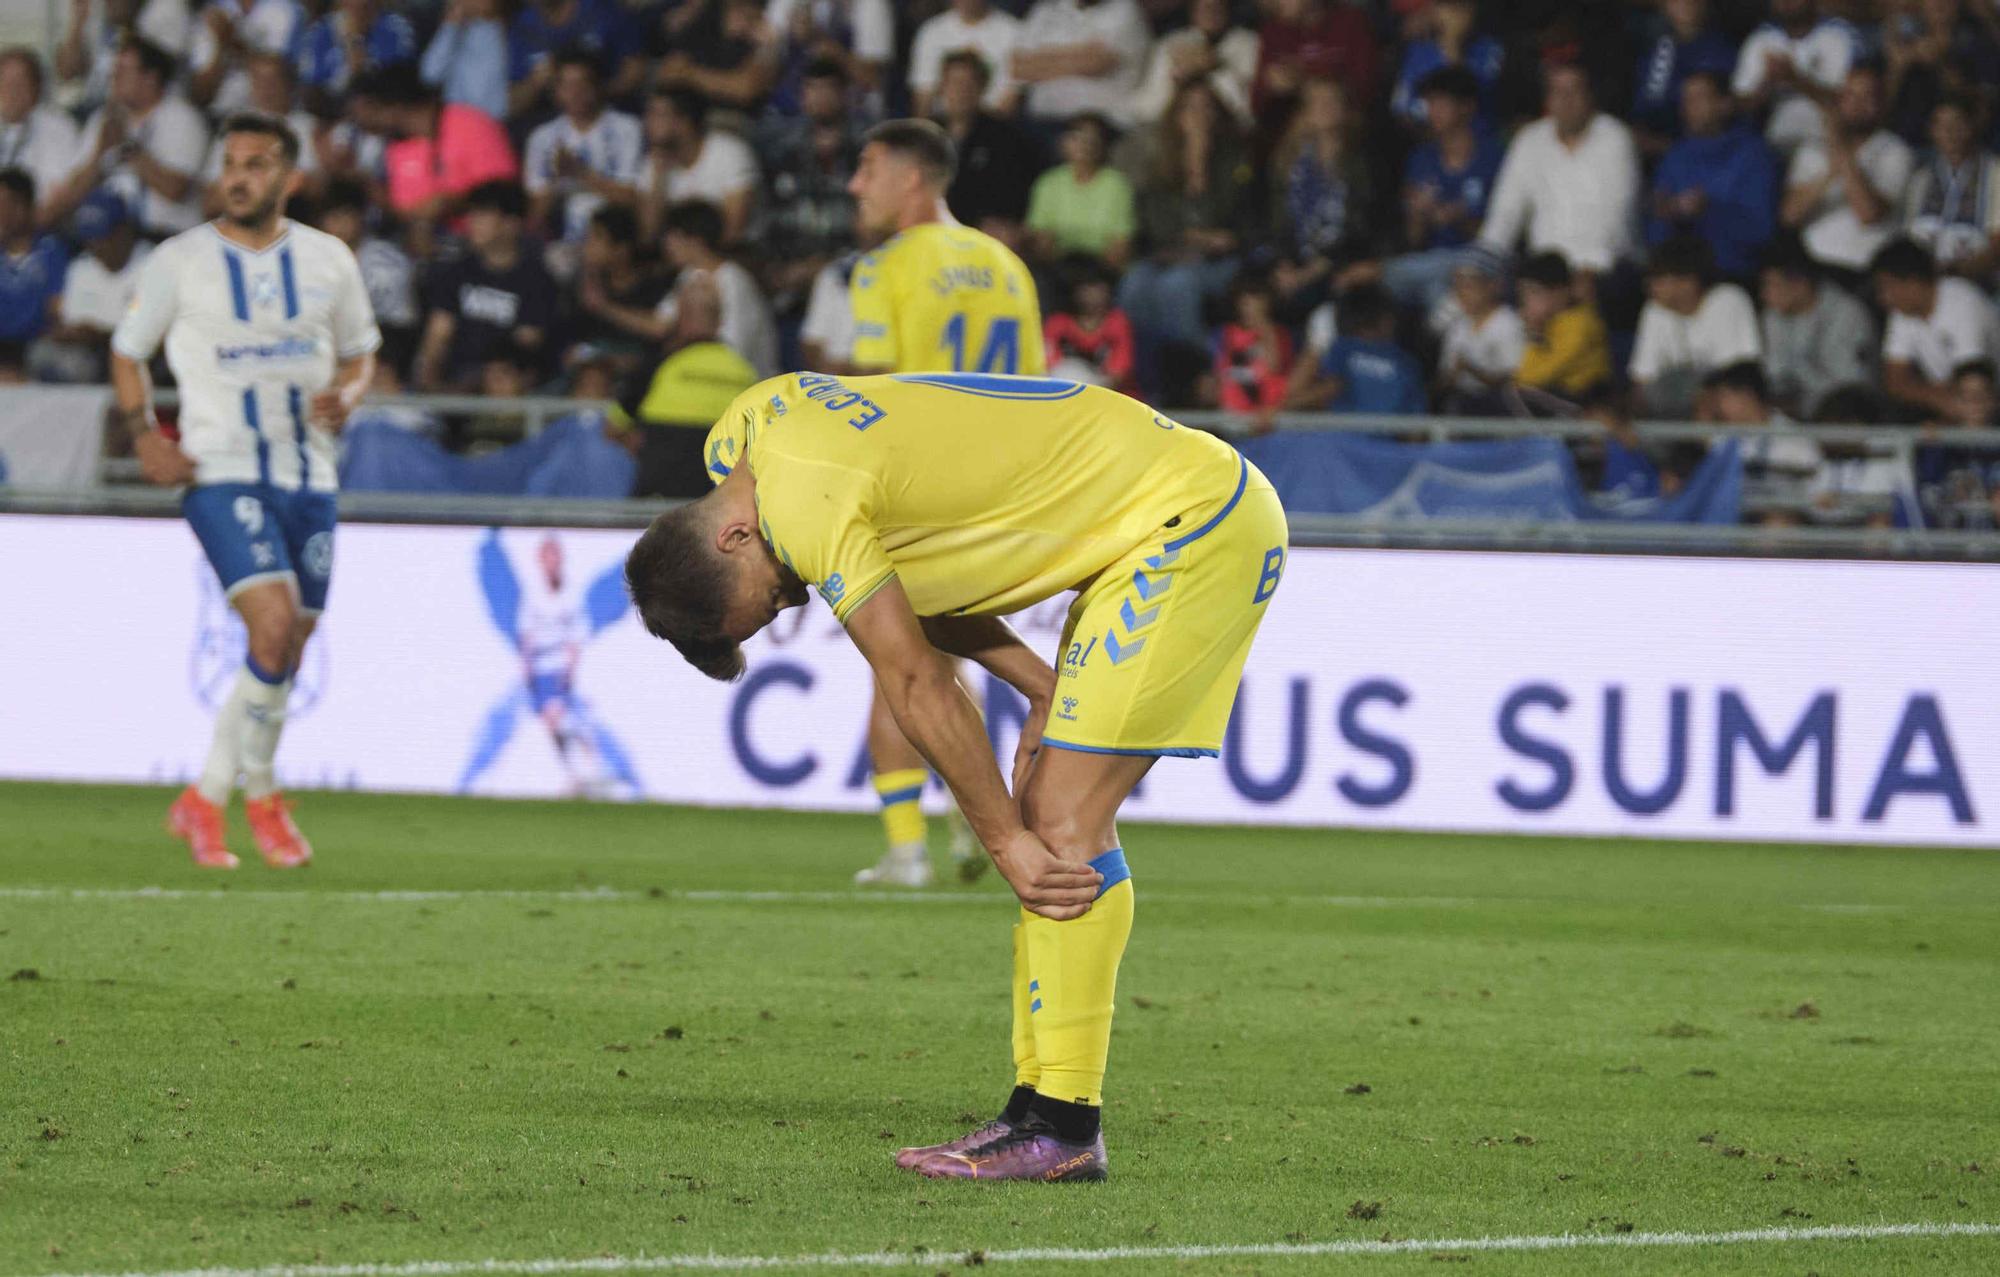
x=1061, y=831
x=269, y=632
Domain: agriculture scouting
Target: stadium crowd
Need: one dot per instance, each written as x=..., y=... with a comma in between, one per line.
x=1684, y=209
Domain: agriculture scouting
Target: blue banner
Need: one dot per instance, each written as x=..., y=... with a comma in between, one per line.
x=1329, y=473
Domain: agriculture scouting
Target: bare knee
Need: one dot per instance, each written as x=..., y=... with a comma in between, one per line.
x=269, y=622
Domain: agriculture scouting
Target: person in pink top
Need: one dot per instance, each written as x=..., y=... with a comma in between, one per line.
x=442, y=149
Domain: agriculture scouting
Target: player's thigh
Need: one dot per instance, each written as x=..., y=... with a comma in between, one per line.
x=241, y=533
x=308, y=520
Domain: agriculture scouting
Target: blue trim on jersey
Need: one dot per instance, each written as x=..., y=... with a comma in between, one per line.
x=1112, y=865
x=997, y=385
x=296, y=404
x=239, y=292
x=1134, y=753
x=1242, y=481
x=254, y=419
x=290, y=282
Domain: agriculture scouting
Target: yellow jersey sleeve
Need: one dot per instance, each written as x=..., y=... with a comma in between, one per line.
x=817, y=517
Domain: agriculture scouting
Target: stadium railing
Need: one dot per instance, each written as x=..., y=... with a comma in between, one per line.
x=119, y=495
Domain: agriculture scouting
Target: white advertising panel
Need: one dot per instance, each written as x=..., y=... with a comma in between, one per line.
x=1699, y=698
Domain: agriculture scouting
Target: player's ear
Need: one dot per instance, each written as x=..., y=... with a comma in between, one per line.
x=732, y=535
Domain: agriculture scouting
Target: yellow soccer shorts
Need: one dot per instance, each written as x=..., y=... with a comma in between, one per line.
x=1154, y=646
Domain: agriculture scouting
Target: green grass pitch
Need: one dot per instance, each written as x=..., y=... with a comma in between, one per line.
x=1320, y=1036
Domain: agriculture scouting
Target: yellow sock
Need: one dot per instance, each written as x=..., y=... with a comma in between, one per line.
x=902, y=795
x=1073, y=970
x=1026, y=1071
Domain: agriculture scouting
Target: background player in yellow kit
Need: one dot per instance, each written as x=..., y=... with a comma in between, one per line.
x=937, y=296
x=922, y=507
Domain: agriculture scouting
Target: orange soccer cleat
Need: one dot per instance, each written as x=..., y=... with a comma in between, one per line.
x=278, y=839
x=198, y=823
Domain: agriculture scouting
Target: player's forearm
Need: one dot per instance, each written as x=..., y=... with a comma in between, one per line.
x=351, y=378
x=132, y=388
x=941, y=721
x=992, y=643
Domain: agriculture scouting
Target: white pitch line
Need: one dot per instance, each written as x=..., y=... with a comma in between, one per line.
x=1077, y=1255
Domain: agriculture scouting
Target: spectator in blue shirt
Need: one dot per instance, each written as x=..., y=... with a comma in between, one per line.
x=1683, y=43
x=1446, y=184
x=467, y=58
x=1718, y=183
x=31, y=266
x=356, y=35
x=1364, y=371
x=545, y=28
x=1449, y=41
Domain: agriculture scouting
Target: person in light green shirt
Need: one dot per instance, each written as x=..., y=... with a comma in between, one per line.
x=1083, y=205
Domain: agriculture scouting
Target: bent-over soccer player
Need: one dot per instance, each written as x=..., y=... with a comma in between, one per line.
x=925, y=506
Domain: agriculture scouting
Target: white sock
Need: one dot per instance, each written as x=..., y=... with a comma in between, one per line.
x=263, y=721
x=225, y=751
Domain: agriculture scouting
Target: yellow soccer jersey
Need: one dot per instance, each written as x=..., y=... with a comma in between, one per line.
x=983, y=494
x=945, y=298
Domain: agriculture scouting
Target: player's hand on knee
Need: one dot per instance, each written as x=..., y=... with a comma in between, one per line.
x=1054, y=888
x=161, y=460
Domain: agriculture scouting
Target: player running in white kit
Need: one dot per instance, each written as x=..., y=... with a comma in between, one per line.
x=271, y=341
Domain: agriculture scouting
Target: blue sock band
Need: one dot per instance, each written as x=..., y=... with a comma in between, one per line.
x=1112, y=865
x=259, y=673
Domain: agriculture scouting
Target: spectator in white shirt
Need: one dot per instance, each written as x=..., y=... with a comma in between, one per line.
x=1793, y=64
x=35, y=138
x=1689, y=328
x=1483, y=340
x=968, y=24
x=145, y=144
x=585, y=157
x=97, y=289
x=1208, y=47
x=96, y=29
x=1778, y=469
x=1935, y=325
x=1843, y=194
x=686, y=160
x=694, y=248
x=228, y=32
x=1570, y=183
x=826, y=336
x=1082, y=55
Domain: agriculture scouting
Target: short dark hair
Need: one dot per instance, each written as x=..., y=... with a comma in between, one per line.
x=688, y=104
x=398, y=85
x=1745, y=375
x=1107, y=132
x=1963, y=103
x=1364, y=306
x=1684, y=255
x=20, y=182
x=826, y=69
x=28, y=58
x=153, y=60
x=1716, y=79
x=1904, y=258
x=1452, y=81
x=1976, y=368
x=574, y=56
x=619, y=222
x=679, y=586
x=344, y=195
x=1550, y=269
x=970, y=59
x=263, y=125
x=922, y=142
x=1787, y=255
x=697, y=219
x=498, y=196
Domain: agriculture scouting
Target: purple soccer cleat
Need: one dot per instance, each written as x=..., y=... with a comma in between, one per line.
x=907, y=1158
x=1028, y=1151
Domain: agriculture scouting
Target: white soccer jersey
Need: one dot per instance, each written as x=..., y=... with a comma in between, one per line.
x=611, y=147
x=251, y=338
